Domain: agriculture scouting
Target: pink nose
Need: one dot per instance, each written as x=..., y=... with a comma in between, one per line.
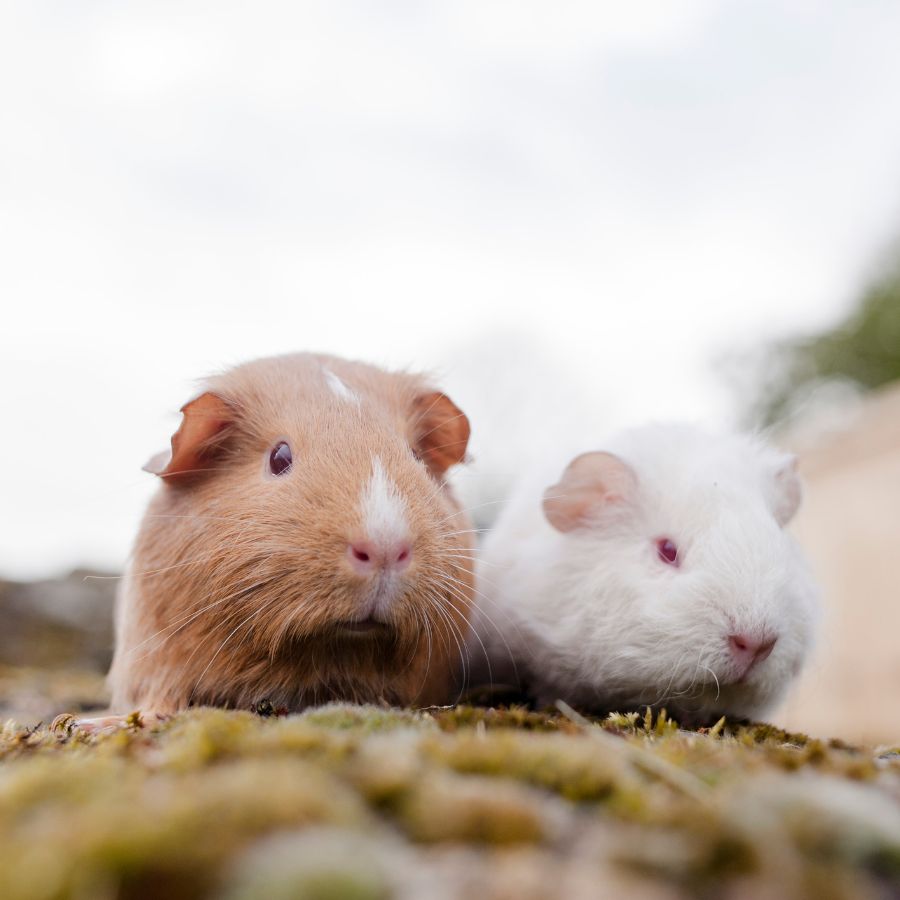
x=368, y=557
x=747, y=650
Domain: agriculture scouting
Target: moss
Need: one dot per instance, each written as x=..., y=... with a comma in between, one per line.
x=107, y=819
x=626, y=722
x=517, y=718
x=446, y=808
x=368, y=719
x=337, y=882
x=884, y=861
x=569, y=767
x=234, y=804
x=386, y=771
x=762, y=733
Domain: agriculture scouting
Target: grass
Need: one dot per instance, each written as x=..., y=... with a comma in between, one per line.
x=364, y=802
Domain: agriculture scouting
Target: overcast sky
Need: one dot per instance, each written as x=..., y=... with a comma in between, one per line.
x=603, y=196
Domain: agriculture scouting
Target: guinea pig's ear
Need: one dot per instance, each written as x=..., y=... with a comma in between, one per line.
x=440, y=431
x=788, y=490
x=204, y=423
x=591, y=484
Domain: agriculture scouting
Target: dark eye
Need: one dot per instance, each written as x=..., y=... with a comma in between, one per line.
x=280, y=459
x=667, y=551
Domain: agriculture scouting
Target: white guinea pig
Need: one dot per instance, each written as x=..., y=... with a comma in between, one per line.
x=656, y=572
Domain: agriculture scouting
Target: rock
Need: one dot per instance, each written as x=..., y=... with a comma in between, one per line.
x=56, y=623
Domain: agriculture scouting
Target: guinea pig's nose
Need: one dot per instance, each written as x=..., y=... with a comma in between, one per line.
x=368, y=557
x=747, y=650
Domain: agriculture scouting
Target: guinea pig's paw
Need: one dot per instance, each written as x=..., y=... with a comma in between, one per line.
x=68, y=724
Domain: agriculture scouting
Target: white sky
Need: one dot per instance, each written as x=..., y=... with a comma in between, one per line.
x=621, y=191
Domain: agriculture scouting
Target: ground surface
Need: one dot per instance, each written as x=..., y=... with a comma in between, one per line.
x=350, y=802
x=361, y=802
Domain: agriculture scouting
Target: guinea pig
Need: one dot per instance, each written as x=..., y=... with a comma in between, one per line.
x=302, y=547
x=655, y=572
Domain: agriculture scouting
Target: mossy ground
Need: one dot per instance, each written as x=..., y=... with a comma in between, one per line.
x=362, y=802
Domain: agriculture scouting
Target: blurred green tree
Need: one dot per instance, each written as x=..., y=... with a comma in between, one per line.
x=861, y=351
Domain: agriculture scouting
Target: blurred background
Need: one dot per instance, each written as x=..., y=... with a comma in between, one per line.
x=607, y=212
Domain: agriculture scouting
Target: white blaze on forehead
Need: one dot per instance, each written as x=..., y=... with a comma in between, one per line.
x=384, y=518
x=338, y=388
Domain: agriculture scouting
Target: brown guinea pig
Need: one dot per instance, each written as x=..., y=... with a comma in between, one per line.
x=302, y=547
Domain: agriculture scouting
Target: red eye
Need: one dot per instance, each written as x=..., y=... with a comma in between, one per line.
x=667, y=551
x=280, y=459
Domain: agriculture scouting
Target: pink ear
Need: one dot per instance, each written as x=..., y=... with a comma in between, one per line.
x=204, y=421
x=788, y=491
x=440, y=431
x=590, y=484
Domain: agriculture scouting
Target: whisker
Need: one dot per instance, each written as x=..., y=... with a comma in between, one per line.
x=715, y=678
x=477, y=608
x=455, y=631
x=147, y=572
x=439, y=425
x=231, y=634
x=464, y=599
x=448, y=534
x=243, y=520
x=249, y=589
x=471, y=508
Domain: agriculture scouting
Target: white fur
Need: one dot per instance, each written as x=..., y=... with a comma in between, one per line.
x=384, y=512
x=593, y=615
x=338, y=388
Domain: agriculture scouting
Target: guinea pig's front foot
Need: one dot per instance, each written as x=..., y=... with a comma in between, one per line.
x=68, y=724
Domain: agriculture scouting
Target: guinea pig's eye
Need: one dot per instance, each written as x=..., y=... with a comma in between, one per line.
x=667, y=551
x=280, y=458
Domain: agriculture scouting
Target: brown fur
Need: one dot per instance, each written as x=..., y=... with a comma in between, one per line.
x=239, y=579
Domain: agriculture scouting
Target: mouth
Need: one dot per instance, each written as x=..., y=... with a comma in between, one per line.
x=362, y=627
x=740, y=678
x=743, y=674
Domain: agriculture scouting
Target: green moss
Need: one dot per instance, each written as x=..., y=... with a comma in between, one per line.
x=446, y=808
x=367, y=719
x=339, y=800
x=761, y=733
x=109, y=819
x=567, y=766
x=518, y=718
